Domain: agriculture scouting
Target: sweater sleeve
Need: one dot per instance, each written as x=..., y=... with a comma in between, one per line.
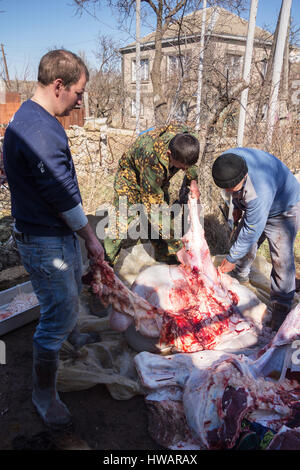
x=255, y=218
x=51, y=169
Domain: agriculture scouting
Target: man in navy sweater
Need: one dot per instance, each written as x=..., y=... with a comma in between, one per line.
x=46, y=205
x=266, y=192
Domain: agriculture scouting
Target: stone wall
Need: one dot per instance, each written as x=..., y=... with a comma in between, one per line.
x=96, y=150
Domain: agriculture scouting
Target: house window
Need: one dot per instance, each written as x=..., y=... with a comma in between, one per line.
x=233, y=65
x=133, y=108
x=264, y=112
x=182, y=111
x=144, y=64
x=264, y=67
x=175, y=62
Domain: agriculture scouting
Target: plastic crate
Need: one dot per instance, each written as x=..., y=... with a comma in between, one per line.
x=17, y=319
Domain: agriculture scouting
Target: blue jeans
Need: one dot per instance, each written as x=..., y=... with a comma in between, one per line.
x=280, y=232
x=55, y=268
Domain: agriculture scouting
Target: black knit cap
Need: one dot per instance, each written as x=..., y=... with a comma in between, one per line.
x=228, y=170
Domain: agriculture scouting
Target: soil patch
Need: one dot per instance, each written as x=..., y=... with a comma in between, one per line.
x=100, y=422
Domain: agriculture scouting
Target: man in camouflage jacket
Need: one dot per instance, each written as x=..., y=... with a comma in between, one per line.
x=144, y=173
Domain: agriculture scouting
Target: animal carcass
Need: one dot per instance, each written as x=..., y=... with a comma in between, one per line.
x=199, y=400
x=191, y=306
x=127, y=304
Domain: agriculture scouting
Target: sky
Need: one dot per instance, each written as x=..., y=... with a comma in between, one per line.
x=30, y=28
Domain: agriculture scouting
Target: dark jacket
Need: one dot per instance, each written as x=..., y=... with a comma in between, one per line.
x=40, y=171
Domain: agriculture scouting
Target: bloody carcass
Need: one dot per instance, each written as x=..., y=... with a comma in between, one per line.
x=190, y=307
x=199, y=400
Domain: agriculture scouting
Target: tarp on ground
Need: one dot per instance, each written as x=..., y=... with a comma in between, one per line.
x=110, y=361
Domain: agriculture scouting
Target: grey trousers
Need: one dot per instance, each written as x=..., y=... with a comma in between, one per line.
x=280, y=232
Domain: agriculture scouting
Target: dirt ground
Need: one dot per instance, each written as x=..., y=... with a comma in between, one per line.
x=100, y=422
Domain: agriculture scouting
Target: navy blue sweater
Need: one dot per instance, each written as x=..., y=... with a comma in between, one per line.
x=40, y=171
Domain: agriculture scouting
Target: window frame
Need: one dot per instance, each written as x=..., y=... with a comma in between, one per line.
x=133, y=108
x=133, y=70
x=230, y=67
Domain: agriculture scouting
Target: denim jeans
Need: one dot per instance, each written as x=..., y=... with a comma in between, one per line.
x=54, y=265
x=280, y=232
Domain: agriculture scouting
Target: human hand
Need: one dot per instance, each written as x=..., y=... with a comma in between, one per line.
x=95, y=250
x=226, y=266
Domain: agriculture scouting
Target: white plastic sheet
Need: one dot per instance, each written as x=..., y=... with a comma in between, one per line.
x=111, y=360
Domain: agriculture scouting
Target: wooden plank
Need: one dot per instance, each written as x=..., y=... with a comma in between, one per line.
x=75, y=118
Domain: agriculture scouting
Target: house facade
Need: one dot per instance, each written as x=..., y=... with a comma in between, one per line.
x=225, y=43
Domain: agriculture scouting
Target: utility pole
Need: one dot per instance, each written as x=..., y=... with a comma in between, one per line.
x=246, y=70
x=86, y=104
x=278, y=60
x=200, y=69
x=285, y=75
x=138, y=67
x=5, y=64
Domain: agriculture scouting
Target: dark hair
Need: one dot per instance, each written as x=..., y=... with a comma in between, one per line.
x=185, y=148
x=62, y=64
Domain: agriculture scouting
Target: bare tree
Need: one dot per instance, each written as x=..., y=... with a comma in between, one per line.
x=105, y=85
x=21, y=83
x=165, y=12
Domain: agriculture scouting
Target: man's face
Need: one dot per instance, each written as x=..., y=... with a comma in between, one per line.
x=71, y=97
x=236, y=188
x=179, y=165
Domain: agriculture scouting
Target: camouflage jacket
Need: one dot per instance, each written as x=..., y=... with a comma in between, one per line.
x=144, y=174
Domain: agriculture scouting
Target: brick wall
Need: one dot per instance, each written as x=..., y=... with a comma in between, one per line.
x=12, y=97
x=7, y=110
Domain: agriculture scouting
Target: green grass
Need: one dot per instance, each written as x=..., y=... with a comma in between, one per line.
x=264, y=249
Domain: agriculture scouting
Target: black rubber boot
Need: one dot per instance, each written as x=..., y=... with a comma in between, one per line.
x=45, y=398
x=78, y=339
x=279, y=314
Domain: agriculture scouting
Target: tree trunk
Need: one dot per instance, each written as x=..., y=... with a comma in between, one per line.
x=159, y=103
x=211, y=143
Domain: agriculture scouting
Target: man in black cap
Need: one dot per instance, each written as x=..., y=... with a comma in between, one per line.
x=267, y=195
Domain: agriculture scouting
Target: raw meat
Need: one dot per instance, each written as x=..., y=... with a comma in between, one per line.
x=111, y=290
x=286, y=439
x=19, y=304
x=214, y=392
x=191, y=307
x=199, y=303
x=4, y=314
x=216, y=401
